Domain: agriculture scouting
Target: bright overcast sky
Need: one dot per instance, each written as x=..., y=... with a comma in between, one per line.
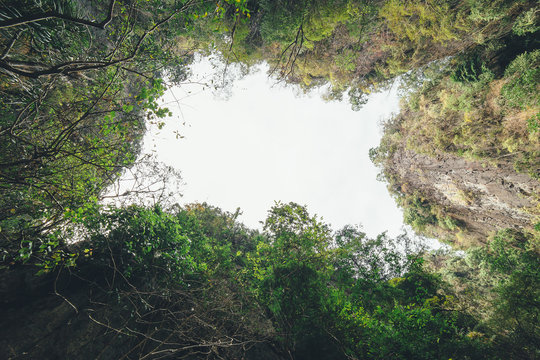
x=266, y=143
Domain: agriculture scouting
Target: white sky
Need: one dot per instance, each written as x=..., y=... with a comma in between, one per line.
x=265, y=143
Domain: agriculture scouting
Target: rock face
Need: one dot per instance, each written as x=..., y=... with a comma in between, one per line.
x=481, y=198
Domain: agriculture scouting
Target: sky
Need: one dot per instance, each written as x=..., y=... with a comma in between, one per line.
x=264, y=142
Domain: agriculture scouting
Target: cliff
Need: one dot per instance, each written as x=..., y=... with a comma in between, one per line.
x=468, y=199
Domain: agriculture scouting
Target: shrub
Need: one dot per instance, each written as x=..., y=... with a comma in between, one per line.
x=527, y=22
x=468, y=70
x=523, y=74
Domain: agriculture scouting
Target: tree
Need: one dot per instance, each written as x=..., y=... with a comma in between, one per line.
x=141, y=288
x=75, y=95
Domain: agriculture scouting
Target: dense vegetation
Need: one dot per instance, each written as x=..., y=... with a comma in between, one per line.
x=80, y=80
x=196, y=283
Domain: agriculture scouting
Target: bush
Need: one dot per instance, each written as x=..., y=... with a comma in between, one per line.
x=523, y=74
x=468, y=70
x=418, y=213
x=527, y=22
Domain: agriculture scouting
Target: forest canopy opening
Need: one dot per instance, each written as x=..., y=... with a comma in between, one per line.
x=81, y=80
x=264, y=142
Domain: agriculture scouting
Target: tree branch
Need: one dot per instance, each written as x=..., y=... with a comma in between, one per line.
x=30, y=18
x=76, y=66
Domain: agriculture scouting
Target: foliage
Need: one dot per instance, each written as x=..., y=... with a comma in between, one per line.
x=75, y=95
x=527, y=22
x=498, y=284
x=481, y=105
x=418, y=213
x=514, y=258
x=362, y=298
x=521, y=88
x=147, y=242
x=484, y=11
x=416, y=20
x=171, y=281
x=78, y=82
x=468, y=70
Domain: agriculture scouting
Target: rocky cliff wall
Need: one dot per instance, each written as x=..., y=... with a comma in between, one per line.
x=479, y=197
